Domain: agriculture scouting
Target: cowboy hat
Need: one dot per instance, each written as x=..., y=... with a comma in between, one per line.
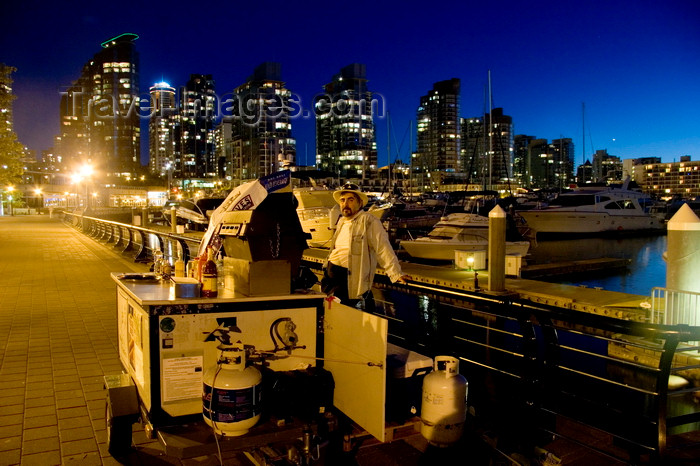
x=350, y=188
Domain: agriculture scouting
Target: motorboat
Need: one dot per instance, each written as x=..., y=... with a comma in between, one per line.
x=318, y=213
x=596, y=210
x=459, y=231
x=194, y=214
x=397, y=213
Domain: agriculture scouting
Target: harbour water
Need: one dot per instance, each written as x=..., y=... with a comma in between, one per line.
x=647, y=268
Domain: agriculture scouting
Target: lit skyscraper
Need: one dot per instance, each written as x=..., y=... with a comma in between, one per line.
x=345, y=135
x=161, y=129
x=261, y=130
x=100, y=112
x=195, y=129
x=438, y=135
x=489, y=150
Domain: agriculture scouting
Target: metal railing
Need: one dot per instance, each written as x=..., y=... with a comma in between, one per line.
x=532, y=366
x=672, y=307
x=135, y=241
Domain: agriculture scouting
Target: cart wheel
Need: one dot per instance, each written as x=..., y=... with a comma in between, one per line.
x=118, y=434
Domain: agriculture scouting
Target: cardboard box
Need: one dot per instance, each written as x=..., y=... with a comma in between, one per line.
x=260, y=278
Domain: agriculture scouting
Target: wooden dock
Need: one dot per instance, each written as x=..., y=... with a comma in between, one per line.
x=592, y=300
x=574, y=267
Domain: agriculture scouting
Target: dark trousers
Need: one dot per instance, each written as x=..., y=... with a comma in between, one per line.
x=335, y=282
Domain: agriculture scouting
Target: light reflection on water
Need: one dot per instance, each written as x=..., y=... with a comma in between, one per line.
x=646, y=270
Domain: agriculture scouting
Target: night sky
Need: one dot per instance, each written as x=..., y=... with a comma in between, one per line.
x=634, y=63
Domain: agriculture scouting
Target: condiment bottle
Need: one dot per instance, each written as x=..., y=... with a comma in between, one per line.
x=179, y=266
x=209, y=276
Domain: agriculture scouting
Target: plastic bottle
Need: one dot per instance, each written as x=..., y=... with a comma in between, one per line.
x=220, y=271
x=209, y=276
x=166, y=269
x=158, y=263
x=179, y=266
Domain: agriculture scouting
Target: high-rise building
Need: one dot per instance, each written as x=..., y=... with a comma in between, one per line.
x=606, y=167
x=161, y=130
x=472, y=149
x=261, y=128
x=195, y=155
x=489, y=150
x=521, y=160
x=100, y=112
x=438, y=133
x=540, y=164
x=564, y=160
x=345, y=134
x=501, y=145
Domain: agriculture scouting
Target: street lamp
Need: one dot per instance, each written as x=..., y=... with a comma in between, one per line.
x=10, y=188
x=75, y=179
x=37, y=191
x=86, y=172
x=169, y=167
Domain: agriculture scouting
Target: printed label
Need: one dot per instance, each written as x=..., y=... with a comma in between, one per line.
x=231, y=405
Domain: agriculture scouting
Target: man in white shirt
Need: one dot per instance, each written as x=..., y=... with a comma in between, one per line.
x=360, y=243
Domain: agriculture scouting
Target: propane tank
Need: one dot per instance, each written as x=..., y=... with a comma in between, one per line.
x=231, y=393
x=444, y=405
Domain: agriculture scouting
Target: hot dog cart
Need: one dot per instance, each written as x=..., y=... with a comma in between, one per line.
x=315, y=355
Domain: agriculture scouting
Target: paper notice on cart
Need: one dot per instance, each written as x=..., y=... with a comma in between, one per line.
x=182, y=378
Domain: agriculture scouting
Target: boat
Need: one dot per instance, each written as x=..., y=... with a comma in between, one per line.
x=318, y=213
x=459, y=231
x=194, y=214
x=596, y=210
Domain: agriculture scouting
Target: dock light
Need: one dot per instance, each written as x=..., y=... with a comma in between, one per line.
x=470, y=261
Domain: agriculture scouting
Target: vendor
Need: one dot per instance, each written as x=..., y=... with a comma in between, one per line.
x=360, y=243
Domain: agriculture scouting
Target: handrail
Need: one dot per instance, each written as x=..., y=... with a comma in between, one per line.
x=598, y=371
x=132, y=239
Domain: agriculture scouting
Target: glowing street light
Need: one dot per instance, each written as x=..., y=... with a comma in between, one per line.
x=85, y=172
x=38, y=193
x=10, y=188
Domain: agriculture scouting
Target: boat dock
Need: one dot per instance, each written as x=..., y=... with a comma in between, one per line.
x=591, y=300
x=574, y=267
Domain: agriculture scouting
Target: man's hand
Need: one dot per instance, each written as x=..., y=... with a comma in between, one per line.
x=403, y=279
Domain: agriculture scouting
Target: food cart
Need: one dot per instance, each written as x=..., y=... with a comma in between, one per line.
x=316, y=356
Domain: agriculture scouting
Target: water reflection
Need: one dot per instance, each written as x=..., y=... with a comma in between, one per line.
x=646, y=270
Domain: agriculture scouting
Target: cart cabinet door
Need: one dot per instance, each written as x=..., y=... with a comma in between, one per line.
x=355, y=353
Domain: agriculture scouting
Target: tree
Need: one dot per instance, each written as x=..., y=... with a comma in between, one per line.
x=11, y=150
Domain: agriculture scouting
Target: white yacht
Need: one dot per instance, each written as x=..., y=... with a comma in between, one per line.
x=592, y=210
x=458, y=232
x=318, y=213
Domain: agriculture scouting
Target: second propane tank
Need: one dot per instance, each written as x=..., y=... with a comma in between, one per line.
x=231, y=393
x=444, y=405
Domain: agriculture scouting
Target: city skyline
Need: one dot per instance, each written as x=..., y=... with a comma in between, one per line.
x=544, y=65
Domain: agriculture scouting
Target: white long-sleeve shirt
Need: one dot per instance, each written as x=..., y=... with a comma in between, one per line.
x=368, y=246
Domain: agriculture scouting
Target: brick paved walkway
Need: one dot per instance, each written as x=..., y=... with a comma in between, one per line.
x=58, y=337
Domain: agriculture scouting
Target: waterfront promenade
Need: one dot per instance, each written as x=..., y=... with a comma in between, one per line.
x=58, y=337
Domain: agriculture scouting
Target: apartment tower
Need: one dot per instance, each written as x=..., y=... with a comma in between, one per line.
x=345, y=133
x=438, y=134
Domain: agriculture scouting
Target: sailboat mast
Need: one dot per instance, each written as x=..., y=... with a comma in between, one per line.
x=410, y=158
x=490, y=133
x=388, y=153
x=583, y=128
